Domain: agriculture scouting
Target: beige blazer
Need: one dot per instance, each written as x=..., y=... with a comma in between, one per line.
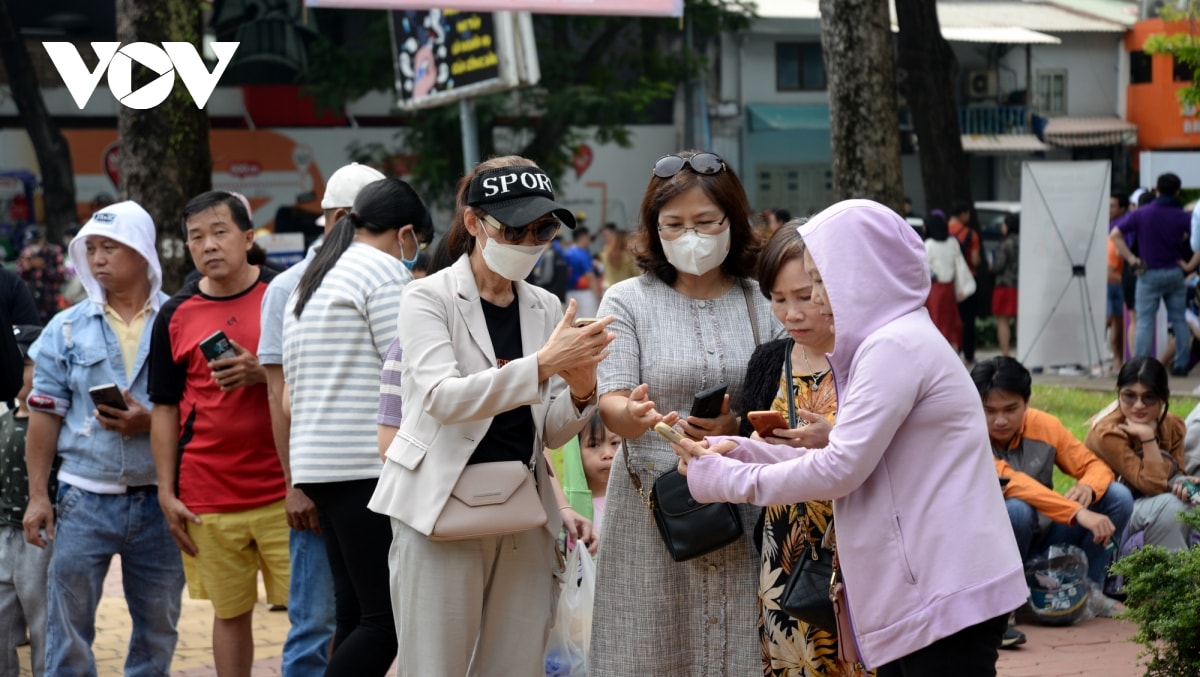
x=451, y=388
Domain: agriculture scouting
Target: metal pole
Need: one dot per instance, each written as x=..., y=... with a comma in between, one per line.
x=470, y=133
x=689, y=106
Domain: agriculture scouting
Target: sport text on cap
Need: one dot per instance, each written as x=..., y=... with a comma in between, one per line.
x=516, y=196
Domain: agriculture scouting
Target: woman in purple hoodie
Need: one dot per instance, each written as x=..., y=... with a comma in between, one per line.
x=928, y=558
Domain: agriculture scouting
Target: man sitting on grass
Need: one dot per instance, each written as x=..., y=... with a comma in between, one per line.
x=1027, y=444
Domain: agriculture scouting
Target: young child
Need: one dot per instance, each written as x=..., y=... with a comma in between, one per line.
x=23, y=567
x=597, y=446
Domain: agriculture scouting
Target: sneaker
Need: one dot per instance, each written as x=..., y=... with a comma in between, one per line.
x=1012, y=638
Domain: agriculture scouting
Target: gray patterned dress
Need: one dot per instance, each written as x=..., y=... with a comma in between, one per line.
x=654, y=616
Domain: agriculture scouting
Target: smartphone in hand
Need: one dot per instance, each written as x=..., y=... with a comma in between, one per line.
x=217, y=347
x=766, y=422
x=583, y=321
x=669, y=434
x=109, y=395
x=707, y=403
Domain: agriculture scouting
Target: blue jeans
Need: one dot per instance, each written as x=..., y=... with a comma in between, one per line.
x=1117, y=505
x=310, y=607
x=23, y=570
x=91, y=528
x=1166, y=284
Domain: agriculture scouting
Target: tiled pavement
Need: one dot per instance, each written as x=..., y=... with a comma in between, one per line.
x=1098, y=648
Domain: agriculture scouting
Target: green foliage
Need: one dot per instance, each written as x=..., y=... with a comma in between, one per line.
x=1184, y=47
x=1163, y=594
x=598, y=73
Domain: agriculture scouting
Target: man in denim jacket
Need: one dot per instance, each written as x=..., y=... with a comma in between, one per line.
x=107, y=498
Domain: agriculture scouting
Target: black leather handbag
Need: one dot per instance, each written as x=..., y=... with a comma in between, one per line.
x=690, y=528
x=806, y=594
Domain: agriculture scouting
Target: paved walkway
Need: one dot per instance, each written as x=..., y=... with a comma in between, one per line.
x=1098, y=648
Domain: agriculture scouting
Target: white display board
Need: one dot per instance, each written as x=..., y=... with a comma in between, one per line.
x=1183, y=163
x=1061, y=292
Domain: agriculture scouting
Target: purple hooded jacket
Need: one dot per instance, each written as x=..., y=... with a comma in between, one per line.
x=923, y=535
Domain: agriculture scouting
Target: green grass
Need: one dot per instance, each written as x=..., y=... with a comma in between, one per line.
x=1074, y=406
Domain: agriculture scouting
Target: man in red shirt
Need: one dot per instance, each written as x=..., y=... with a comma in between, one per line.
x=968, y=240
x=221, y=486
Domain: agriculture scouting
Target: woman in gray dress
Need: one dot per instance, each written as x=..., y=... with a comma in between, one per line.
x=689, y=322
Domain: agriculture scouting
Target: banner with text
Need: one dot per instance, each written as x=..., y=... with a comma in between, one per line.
x=592, y=7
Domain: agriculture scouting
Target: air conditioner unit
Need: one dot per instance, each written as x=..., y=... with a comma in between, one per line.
x=981, y=84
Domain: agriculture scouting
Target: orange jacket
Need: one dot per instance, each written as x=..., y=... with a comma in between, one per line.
x=1124, y=456
x=1042, y=443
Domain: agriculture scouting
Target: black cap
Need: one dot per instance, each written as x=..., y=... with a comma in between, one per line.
x=516, y=196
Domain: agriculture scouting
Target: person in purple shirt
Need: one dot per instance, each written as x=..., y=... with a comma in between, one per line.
x=1162, y=230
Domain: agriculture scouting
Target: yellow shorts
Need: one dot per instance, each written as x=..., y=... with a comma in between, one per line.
x=232, y=547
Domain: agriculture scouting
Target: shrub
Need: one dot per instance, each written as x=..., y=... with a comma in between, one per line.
x=1163, y=596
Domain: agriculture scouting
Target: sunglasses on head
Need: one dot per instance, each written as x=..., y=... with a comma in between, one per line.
x=543, y=229
x=701, y=163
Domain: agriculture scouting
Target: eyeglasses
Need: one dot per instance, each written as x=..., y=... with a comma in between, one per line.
x=701, y=163
x=706, y=229
x=543, y=231
x=1149, y=400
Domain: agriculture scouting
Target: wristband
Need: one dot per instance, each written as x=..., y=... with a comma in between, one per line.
x=586, y=398
x=1152, y=439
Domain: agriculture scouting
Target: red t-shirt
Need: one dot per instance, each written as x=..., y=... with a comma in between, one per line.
x=227, y=459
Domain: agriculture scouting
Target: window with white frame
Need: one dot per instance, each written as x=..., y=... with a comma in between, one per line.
x=1052, y=92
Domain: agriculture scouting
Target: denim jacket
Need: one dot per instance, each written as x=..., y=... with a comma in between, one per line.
x=76, y=351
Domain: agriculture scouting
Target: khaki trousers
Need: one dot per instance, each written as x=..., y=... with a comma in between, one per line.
x=473, y=608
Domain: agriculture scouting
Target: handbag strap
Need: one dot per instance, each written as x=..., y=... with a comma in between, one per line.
x=750, y=309
x=790, y=394
x=633, y=476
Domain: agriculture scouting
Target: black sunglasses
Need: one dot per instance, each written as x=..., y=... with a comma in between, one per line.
x=543, y=231
x=701, y=163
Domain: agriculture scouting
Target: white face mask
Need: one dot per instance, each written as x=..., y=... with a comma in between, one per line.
x=510, y=261
x=697, y=254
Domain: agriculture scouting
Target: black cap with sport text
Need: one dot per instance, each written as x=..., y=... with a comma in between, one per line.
x=516, y=196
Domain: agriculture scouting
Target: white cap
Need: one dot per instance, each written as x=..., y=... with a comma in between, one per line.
x=1135, y=196
x=345, y=183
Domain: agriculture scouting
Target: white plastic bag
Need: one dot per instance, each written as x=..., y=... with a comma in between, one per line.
x=570, y=637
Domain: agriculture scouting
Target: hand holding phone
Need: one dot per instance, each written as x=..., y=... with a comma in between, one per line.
x=109, y=395
x=707, y=403
x=217, y=347
x=583, y=321
x=669, y=434
x=766, y=422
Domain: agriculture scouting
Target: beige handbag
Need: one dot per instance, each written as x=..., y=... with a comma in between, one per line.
x=490, y=499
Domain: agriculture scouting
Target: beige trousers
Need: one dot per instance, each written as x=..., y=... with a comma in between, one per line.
x=474, y=608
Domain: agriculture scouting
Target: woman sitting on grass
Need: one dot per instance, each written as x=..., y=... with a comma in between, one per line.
x=1143, y=443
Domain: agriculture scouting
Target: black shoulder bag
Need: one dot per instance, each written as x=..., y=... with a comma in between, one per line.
x=806, y=596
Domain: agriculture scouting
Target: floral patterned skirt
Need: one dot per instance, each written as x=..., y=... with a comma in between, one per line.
x=789, y=647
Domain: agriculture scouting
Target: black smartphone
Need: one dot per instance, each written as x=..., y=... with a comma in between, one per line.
x=109, y=395
x=217, y=347
x=707, y=403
